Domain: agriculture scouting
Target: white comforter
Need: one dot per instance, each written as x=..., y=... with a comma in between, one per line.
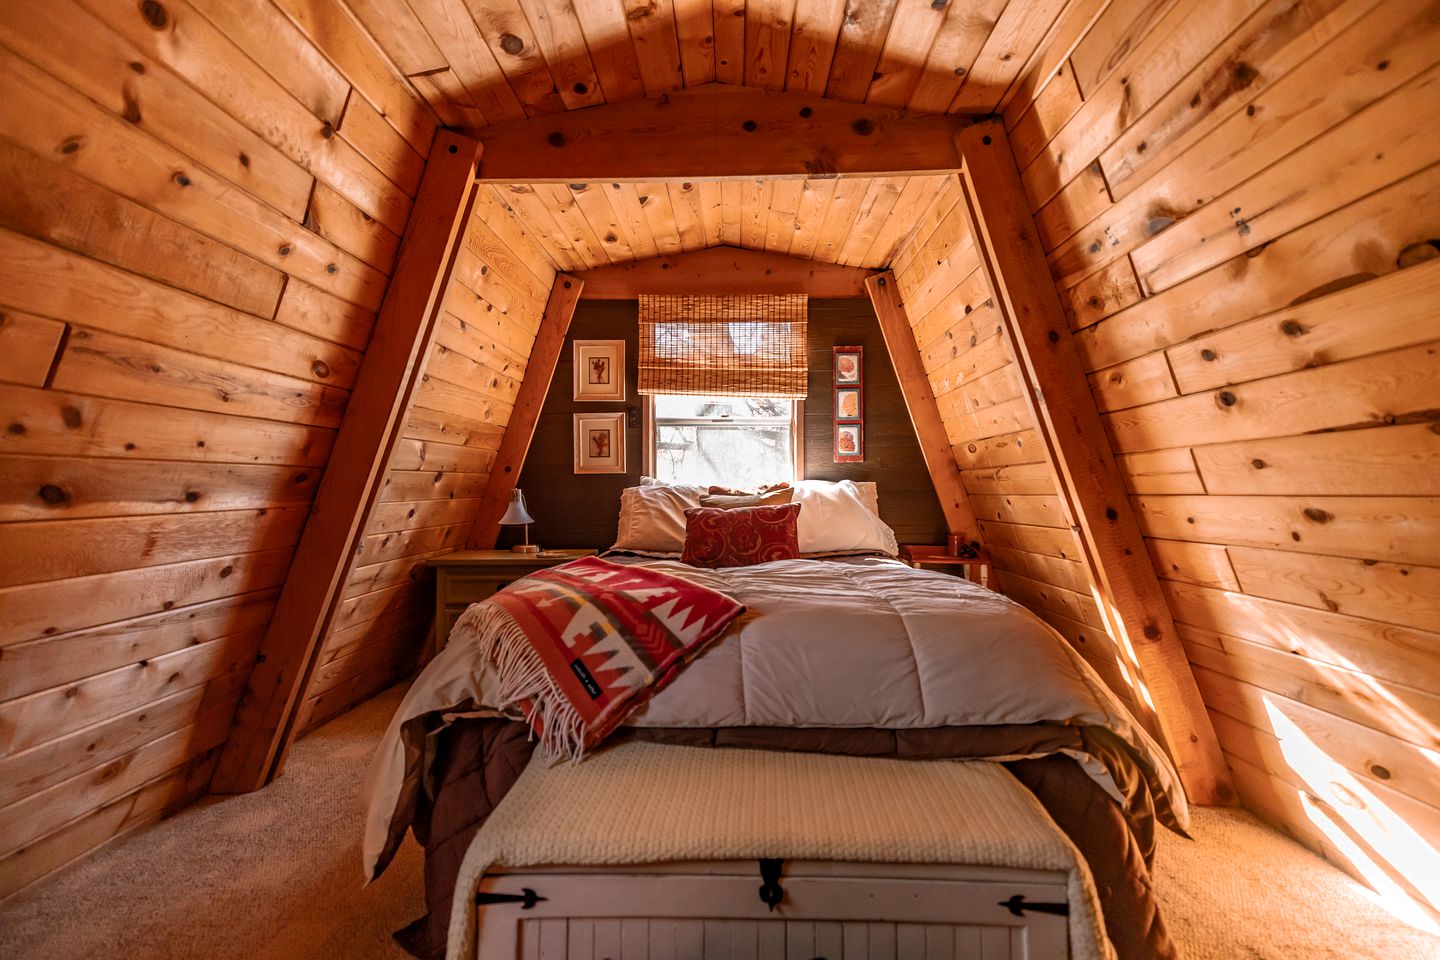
x=859, y=643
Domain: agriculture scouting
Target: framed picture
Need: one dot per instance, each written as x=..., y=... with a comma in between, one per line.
x=600, y=442
x=599, y=370
x=849, y=442
x=849, y=366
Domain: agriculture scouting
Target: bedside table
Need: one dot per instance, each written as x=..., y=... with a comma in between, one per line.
x=924, y=557
x=469, y=576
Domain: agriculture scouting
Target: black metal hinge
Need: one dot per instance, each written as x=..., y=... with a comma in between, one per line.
x=1017, y=906
x=771, y=893
x=527, y=898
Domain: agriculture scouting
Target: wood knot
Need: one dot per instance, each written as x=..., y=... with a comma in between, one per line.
x=70, y=416
x=328, y=130
x=1110, y=514
x=1258, y=464
x=1227, y=398
x=1379, y=772
x=192, y=496
x=1208, y=355
x=53, y=494
x=181, y=179
x=1317, y=515
x=1053, y=336
x=864, y=127
x=154, y=14
x=1151, y=632
x=749, y=126
x=806, y=112
x=581, y=89
x=1292, y=328
x=511, y=44
x=556, y=139
x=320, y=368
x=226, y=570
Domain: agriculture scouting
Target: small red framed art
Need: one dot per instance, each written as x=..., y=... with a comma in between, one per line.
x=849, y=404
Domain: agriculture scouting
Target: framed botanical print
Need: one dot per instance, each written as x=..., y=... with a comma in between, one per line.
x=849, y=366
x=599, y=370
x=600, y=442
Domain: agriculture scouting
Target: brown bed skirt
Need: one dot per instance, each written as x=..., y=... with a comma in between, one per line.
x=477, y=760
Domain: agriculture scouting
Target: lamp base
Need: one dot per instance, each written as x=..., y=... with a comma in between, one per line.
x=525, y=548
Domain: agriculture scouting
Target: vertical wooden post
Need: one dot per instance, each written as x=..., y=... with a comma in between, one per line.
x=1088, y=478
x=539, y=370
x=389, y=374
x=920, y=401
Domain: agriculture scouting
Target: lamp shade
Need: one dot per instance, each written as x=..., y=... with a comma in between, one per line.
x=516, y=512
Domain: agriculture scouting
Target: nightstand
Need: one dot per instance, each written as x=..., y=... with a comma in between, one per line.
x=924, y=557
x=469, y=576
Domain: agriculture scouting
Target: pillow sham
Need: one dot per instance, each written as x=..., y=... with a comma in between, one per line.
x=741, y=536
x=835, y=518
x=652, y=518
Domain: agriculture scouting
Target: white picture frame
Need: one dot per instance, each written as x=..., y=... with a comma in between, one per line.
x=600, y=442
x=599, y=370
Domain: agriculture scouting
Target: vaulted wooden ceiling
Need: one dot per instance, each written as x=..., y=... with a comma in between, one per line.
x=858, y=221
x=481, y=62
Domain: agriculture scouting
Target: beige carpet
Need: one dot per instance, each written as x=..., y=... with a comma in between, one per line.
x=275, y=876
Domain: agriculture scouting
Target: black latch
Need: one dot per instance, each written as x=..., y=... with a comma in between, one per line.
x=527, y=898
x=1017, y=906
x=771, y=893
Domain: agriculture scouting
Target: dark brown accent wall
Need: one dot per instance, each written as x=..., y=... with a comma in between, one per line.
x=582, y=511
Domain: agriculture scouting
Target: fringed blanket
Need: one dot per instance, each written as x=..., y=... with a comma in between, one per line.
x=579, y=647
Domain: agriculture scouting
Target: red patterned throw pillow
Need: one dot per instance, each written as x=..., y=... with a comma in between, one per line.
x=740, y=537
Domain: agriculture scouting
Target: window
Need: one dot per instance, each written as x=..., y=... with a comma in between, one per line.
x=725, y=441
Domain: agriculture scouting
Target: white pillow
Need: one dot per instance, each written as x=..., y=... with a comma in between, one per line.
x=652, y=517
x=836, y=518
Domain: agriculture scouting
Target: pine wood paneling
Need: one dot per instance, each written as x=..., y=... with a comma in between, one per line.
x=196, y=232
x=1244, y=249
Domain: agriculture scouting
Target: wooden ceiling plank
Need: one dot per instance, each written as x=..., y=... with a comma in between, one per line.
x=405, y=40
x=507, y=32
x=561, y=39
x=723, y=271
x=720, y=131
x=728, y=17
x=857, y=50
x=453, y=31
x=953, y=53
x=1088, y=477
x=755, y=201
x=685, y=199
x=657, y=45
x=730, y=213
x=534, y=215
x=839, y=217
x=780, y=225
x=500, y=218
x=1072, y=26
x=591, y=199
x=1017, y=34
x=389, y=377
x=520, y=427
x=449, y=99
x=711, y=202
x=660, y=214
x=611, y=50
x=813, y=36
x=916, y=195
x=625, y=200
x=815, y=198
x=696, y=31
x=570, y=218
x=920, y=403
x=767, y=42
x=907, y=46
x=879, y=201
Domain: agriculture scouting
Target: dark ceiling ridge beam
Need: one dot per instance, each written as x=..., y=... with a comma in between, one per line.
x=720, y=131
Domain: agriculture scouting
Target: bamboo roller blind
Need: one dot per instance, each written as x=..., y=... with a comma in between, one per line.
x=723, y=346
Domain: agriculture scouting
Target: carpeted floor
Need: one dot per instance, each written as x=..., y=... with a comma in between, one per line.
x=275, y=875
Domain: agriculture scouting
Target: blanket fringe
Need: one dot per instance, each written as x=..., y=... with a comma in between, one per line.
x=525, y=683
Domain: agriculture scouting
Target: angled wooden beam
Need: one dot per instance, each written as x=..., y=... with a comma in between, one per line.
x=920, y=401
x=723, y=271
x=1088, y=478
x=389, y=375
x=539, y=370
x=720, y=130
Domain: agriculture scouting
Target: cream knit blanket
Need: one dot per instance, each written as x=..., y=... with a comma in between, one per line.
x=650, y=803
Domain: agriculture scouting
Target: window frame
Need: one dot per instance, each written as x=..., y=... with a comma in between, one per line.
x=797, y=434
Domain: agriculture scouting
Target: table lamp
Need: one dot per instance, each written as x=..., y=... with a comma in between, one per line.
x=516, y=513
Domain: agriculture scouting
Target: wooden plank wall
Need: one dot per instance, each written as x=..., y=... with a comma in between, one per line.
x=437, y=474
x=1241, y=201
x=1024, y=524
x=200, y=213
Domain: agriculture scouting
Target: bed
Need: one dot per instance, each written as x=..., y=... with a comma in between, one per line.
x=843, y=657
